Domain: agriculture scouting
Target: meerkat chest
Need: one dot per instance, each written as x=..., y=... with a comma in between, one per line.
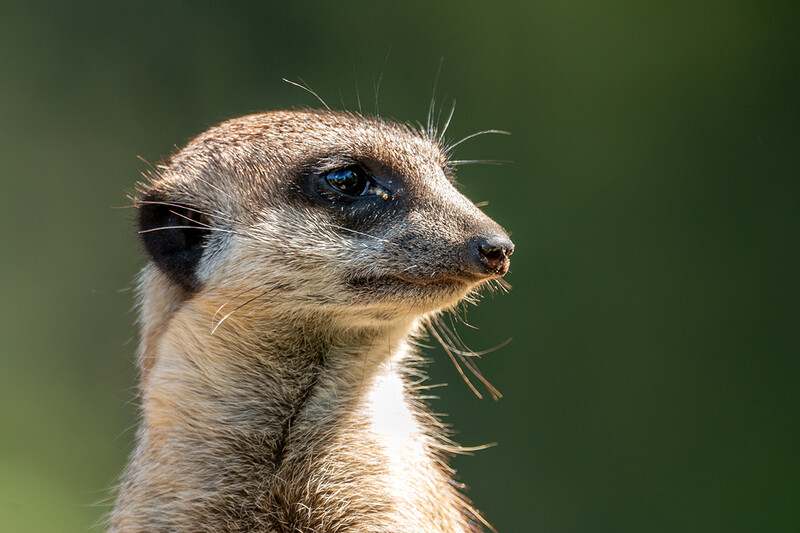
x=369, y=457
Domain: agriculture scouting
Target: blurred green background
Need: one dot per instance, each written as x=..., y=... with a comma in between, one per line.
x=652, y=381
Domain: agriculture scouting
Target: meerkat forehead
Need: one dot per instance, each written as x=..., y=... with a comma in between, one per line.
x=312, y=130
x=260, y=144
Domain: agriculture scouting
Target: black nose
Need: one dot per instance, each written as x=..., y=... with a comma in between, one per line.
x=492, y=252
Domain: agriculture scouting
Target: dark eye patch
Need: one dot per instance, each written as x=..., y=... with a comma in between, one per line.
x=174, y=236
x=344, y=181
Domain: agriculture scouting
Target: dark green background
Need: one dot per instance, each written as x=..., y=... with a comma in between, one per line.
x=652, y=381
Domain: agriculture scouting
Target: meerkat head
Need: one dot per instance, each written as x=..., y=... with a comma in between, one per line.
x=323, y=213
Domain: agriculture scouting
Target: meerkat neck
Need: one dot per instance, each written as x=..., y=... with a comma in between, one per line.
x=268, y=376
x=267, y=421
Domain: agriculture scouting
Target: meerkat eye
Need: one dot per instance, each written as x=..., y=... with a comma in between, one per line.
x=352, y=181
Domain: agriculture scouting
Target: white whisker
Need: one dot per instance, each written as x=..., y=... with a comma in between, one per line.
x=254, y=298
x=364, y=234
x=187, y=227
x=447, y=122
x=307, y=89
x=459, y=162
x=468, y=137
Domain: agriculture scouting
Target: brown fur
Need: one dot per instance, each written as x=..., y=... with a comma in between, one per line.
x=278, y=385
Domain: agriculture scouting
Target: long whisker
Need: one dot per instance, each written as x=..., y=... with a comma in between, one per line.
x=251, y=300
x=307, y=89
x=466, y=350
x=457, y=343
x=364, y=234
x=439, y=114
x=503, y=285
x=380, y=79
x=459, y=162
x=484, y=132
x=447, y=122
x=358, y=96
x=496, y=395
x=448, y=336
x=238, y=295
x=146, y=162
x=203, y=224
x=452, y=357
x=460, y=313
x=430, y=130
x=187, y=227
x=214, y=214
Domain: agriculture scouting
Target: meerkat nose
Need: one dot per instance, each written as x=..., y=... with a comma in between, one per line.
x=492, y=251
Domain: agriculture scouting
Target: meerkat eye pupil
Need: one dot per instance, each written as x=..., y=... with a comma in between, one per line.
x=352, y=181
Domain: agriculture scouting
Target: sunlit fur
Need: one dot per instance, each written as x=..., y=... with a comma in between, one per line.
x=280, y=395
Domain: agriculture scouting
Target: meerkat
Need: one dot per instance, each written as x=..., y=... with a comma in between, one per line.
x=293, y=258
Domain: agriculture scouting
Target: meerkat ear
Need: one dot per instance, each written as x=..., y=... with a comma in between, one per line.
x=174, y=235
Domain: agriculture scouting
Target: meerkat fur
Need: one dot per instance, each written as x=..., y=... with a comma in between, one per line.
x=279, y=388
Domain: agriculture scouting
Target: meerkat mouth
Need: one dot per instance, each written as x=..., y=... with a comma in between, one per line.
x=404, y=281
x=454, y=279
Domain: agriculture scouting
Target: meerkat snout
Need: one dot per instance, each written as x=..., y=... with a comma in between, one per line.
x=493, y=253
